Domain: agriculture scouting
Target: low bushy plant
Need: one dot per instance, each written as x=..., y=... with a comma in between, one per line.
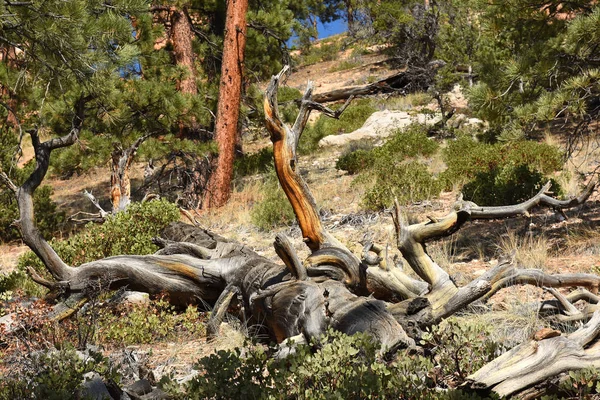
x=336, y=366
x=128, y=232
x=255, y=163
x=147, y=323
x=342, y=367
x=55, y=375
x=322, y=52
x=351, y=119
x=500, y=173
x=459, y=348
x=408, y=182
x=356, y=161
x=392, y=171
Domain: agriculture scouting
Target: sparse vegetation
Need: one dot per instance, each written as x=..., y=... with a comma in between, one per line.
x=274, y=209
x=352, y=118
x=393, y=169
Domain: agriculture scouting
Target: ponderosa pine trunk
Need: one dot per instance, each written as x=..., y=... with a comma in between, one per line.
x=228, y=107
x=181, y=39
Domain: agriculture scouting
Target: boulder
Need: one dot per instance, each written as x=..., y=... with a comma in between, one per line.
x=380, y=125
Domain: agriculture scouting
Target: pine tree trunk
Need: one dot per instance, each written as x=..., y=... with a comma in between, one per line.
x=228, y=108
x=181, y=38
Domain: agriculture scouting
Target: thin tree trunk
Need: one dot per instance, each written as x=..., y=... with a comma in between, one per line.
x=228, y=108
x=181, y=38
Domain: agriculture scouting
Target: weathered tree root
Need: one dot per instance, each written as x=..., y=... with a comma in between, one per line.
x=538, y=360
x=333, y=287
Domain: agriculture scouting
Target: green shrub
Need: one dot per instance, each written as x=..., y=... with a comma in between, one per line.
x=408, y=182
x=356, y=161
x=351, y=119
x=343, y=367
x=508, y=185
x=255, y=163
x=274, y=209
x=128, y=232
x=581, y=384
x=55, y=374
x=345, y=65
x=499, y=174
x=391, y=173
x=336, y=366
x=460, y=347
x=147, y=323
x=315, y=54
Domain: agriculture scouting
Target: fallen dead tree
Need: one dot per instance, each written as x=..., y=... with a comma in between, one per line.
x=332, y=287
x=407, y=80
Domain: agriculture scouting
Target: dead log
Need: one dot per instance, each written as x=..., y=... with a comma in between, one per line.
x=393, y=83
x=333, y=287
x=538, y=360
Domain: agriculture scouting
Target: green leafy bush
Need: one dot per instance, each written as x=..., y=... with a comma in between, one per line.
x=497, y=174
x=336, y=366
x=128, y=232
x=322, y=52
x=581, y=384
x=343, y=367
x=55, y=375
x=274, y=209
x=356, y=157
x=147, y=323
x=408, y=182
x=351, y=119
x=392, y=170
x=356, y=161
x=460, y=347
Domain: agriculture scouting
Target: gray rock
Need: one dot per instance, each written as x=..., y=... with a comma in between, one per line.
x=156, y=394
x=379, y=125
x=139, y=388
x=94, y=388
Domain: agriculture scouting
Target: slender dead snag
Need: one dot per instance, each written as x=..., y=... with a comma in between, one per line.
x=120, y=183
x=285, y=142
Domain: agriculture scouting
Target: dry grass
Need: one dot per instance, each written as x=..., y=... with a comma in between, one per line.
x=512, y=326
x=529, y=251
x=583, y=241
x=237, y=211
x=9, y=255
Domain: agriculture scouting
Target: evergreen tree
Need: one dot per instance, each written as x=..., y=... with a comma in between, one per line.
x=535, y=62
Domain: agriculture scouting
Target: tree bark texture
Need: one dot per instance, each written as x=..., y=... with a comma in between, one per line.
x=332, y=287
x=228, y=106
x=181, y=39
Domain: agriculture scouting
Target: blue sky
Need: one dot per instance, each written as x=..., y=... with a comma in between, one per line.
x=325, y=30
x=333, y=28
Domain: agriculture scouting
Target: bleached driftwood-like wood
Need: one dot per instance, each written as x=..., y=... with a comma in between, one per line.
x=536, y=361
